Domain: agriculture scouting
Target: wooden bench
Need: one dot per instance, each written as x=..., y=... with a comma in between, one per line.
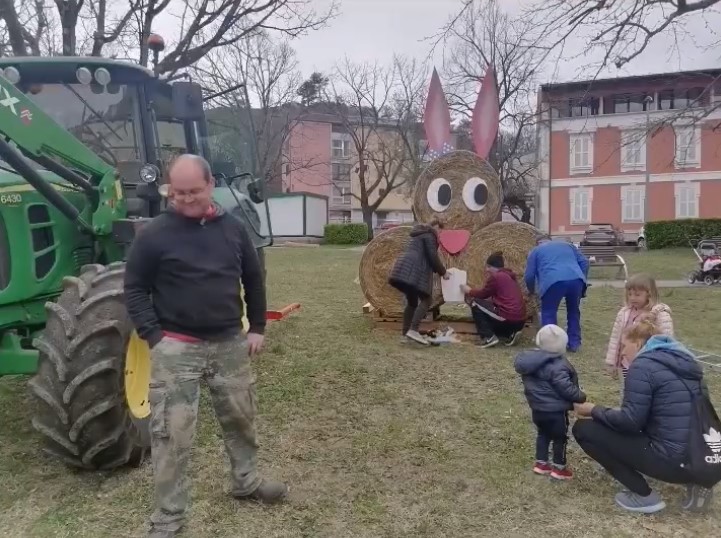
x=605, y=256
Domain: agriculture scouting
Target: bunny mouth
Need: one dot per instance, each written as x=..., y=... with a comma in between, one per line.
x=454, y=241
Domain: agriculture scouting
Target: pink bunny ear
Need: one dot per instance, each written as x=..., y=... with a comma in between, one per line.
x=486, y=115
x=437, y=119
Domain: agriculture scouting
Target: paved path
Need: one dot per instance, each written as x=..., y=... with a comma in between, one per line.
x=659, y=283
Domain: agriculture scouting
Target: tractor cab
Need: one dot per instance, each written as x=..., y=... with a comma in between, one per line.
x=137, y=123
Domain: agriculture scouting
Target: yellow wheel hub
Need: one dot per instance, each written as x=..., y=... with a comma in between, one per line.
x=137, y=376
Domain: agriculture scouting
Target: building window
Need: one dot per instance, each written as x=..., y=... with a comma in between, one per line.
x=621, y=104
x=340, y=173
x=687, y=146
x=340, y=148
x=341, y=195
x=587, y=106
x=632, y=200
x=677, y=99
x=581, y=199
x=581, y=153
x=633, y=150
x=687, y=195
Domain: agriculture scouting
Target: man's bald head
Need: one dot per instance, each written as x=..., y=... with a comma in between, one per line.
x=189, y=160
x=191, y=185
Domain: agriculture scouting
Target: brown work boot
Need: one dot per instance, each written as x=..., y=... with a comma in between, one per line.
x=269, y=492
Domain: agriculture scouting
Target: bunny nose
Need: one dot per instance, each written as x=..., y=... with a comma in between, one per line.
x=454, y=241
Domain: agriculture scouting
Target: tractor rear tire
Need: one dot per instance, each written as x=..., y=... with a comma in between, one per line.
x=82, y=413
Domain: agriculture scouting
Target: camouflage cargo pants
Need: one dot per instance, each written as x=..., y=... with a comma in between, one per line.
x=177, y=370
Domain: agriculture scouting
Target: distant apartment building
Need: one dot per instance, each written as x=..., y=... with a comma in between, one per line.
x=605, y=146
x=320, y=157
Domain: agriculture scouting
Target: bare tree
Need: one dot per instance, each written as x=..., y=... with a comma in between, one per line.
x=482, y=35
x=89, y=26
x=24, y=25
x=620, y=29
x=66, y=27
x=379, y=109
x=252, y=124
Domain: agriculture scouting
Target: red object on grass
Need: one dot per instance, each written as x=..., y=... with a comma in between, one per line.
x=275, y=315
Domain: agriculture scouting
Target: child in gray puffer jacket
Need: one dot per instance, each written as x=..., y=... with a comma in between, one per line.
x=550, y=383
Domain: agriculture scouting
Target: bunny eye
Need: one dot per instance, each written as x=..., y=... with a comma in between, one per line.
x=475, y=194
x=439, y=194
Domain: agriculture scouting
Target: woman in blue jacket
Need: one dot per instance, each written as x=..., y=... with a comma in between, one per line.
x=648, y=434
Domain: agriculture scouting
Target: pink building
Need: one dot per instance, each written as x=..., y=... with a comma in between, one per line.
x=603, y=150
x=306, y=166
x=319, y=158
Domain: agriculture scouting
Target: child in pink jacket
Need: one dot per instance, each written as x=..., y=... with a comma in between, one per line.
x=641, y=300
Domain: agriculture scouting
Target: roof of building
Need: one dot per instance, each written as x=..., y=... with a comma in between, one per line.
x=585, y=84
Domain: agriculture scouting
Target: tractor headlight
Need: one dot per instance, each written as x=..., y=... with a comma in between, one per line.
x=102, y=76
x=12, y=74
x=149, y=173
x=84, y=75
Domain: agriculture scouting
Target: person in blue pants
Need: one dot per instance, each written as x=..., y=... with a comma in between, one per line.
x=557, y=270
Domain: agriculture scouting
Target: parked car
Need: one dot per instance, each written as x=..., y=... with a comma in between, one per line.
x=603, y=234
x=641, y=240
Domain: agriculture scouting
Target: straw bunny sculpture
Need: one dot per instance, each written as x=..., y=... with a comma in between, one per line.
x=461, y=188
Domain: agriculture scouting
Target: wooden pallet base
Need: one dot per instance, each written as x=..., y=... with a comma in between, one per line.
x=465, y=329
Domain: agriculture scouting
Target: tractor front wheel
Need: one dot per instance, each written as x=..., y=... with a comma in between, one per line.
x=93, y=375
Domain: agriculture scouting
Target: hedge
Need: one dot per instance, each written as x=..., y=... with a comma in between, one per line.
x=676, y=233
x=346, y=234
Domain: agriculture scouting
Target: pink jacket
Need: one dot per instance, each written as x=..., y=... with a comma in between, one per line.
x=663, y=319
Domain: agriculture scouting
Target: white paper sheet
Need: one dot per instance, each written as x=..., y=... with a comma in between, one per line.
x=451, y=288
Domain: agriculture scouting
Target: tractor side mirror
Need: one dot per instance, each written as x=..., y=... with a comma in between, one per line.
x=255, y=191
x=187, y=100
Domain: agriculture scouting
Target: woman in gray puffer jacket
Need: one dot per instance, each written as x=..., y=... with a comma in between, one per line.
x=412, y=275
x=649, y=434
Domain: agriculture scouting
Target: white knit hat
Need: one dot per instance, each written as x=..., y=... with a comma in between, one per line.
x=552, y=338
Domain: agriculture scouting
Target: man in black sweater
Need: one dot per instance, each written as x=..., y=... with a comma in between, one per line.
x=182, y=290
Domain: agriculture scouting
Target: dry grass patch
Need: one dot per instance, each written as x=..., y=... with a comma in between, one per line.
x=377, y=438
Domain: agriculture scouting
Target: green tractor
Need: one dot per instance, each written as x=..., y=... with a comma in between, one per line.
x=84, y=143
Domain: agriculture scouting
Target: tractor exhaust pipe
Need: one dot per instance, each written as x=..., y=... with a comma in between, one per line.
x=18, y=162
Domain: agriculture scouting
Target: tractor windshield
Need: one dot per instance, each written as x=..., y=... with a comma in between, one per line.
x=106, y=119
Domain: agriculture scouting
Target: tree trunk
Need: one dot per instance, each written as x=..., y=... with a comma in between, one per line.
x=14, y=27
x=368, y=219
x=526, y=214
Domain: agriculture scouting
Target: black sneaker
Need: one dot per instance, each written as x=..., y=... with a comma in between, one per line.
x=489, y=342
x=697, y=499
x=513, y=339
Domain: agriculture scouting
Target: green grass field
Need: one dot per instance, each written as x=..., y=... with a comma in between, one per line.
x=376, y=438
x=667, y=264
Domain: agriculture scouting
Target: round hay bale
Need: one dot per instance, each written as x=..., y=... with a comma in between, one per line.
x=460, y=188
x=515, y=240
x=376, y=264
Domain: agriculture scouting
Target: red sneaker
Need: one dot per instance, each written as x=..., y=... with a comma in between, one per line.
x=542, y=468
x=561, y=474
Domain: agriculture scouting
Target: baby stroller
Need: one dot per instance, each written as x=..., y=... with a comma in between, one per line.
x=709, y=270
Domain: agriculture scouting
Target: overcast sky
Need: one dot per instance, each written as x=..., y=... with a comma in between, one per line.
x=375, y=29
